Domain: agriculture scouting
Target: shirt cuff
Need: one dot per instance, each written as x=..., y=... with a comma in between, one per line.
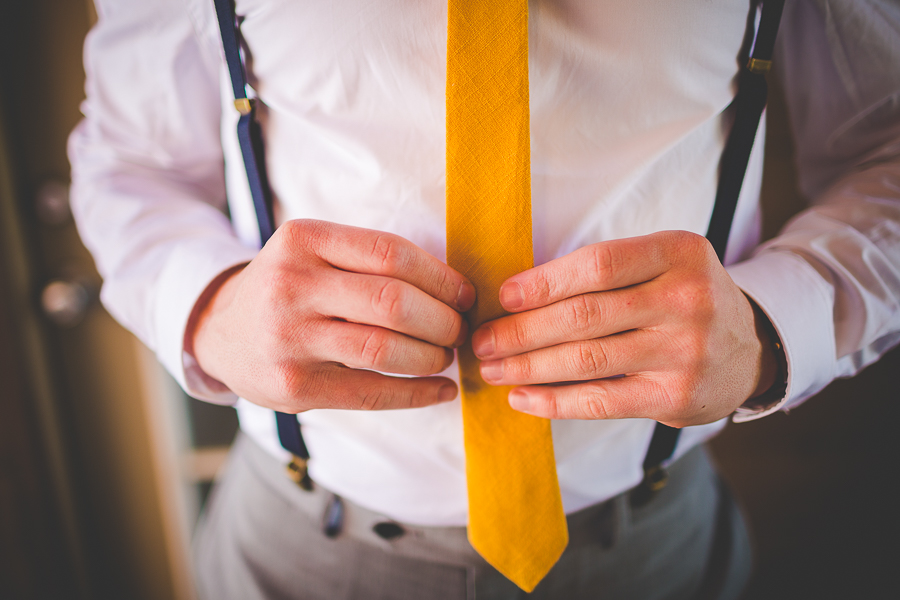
x=188, y=272
x=799, y=303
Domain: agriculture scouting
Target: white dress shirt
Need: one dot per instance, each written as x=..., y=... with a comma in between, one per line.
x=629, y=115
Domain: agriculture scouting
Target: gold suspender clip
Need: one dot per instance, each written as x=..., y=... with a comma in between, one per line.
x=298, y=473
x=243, y=105
x=656, y=478
x=757, y=65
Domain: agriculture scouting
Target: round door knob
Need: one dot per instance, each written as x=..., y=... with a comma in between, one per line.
x=66, y=302
x=52, y=203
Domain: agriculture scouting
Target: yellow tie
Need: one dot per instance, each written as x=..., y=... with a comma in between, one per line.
x=516, y=519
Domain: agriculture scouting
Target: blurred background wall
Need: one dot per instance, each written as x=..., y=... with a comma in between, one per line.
x=104, y=463
x=99, y=477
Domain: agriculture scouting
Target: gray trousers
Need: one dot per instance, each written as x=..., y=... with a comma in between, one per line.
x=262, y=537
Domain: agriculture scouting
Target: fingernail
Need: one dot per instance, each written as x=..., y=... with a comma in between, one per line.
x=520, y=401
x=466, y=296
x=511, y=295
x=463, y=334
x=492, y=371
x=483, y=342
x=447, y=392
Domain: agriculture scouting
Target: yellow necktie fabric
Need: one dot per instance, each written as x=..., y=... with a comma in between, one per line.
x=516, y=519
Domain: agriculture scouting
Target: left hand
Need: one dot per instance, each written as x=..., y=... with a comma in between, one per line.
x=645, y=327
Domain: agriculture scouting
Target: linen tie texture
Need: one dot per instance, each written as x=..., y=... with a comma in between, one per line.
x=516, y=518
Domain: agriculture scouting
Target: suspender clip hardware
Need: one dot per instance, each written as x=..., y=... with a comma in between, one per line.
x=298, y=473
x=655, y=479
x=759, y=66
x=243, y=105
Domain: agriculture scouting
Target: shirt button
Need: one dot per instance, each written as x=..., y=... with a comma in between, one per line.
x=388, y=530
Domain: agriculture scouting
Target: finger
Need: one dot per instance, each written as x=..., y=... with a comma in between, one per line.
x=629, y=352
x=393, y=304
x=379, y=253
x=630, y=397
x=354, y=389
x=598, y=267
x=582, y=317
x=364, y=347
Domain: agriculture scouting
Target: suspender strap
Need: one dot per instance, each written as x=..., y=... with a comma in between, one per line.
x=748, y=107
x=228, y=28
x=253, y=151
x=249, y=134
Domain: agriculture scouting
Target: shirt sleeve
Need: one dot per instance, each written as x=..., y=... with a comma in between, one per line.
x=148, y=192
x=830, y=281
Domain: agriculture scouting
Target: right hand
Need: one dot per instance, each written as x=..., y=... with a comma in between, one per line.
x=305, y=322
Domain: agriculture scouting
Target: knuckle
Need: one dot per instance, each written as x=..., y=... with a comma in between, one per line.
x=409, y=397
x=552, y=405
x=389, y=301
x=452, y=326
x=388, y=252
x=374, y=398
x=692, y=246
x=583, y=312
x=510, y=335
x=695, y=296
x=590, y=360
x=295, y=243
x=659, y=399
x=520, y=368
x=604, y=261
x=678, y=398
x=289, y=232
x=300, y=233
x=701, y=247
x=289, y=382
x=591, y=403
x=541, y=285
x=680, y=394
x=447, y=284
x=376, y=350
x=518, y=335
x=440, y=360
x=687, y=241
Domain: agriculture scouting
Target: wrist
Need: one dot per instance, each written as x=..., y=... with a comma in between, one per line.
x=199, y=335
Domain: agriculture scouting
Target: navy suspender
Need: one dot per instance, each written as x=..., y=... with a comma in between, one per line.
x=748, y=106
x=749, y=103
x=253, y=151
x=249, y=134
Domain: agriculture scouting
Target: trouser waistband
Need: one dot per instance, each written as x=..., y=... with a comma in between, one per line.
x=596, y=524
